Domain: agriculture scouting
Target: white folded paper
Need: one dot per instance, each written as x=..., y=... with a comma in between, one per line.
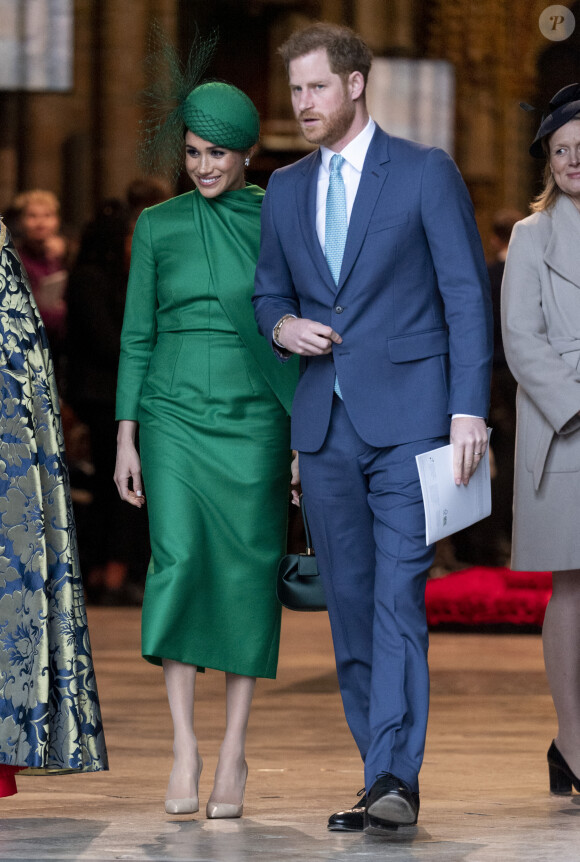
x=450, y=507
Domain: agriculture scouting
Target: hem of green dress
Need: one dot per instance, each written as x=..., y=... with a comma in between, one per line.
x=157, y=660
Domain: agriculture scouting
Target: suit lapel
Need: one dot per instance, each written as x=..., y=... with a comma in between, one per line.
x=563, y=250
x=306, y=189
x=374, y=174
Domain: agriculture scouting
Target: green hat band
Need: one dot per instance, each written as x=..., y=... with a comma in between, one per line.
x=222, y=114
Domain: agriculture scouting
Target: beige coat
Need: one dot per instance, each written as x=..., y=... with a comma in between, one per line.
x=541, y=332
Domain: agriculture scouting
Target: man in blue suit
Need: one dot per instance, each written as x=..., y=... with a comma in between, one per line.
x=395, y=345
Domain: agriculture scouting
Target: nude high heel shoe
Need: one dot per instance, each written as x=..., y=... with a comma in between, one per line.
x=187, y=804
x=218, y=810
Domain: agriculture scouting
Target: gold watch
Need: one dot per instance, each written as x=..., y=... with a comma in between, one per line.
x=278, y=327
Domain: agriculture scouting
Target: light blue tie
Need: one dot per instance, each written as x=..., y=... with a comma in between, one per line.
x=336, y=225
x=336, y=220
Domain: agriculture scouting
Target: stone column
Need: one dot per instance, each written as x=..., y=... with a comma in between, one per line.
x=9, y=111
x=123, y=46
x=279, y=107
x=386, y=25
x=333, y=11
x=45, y=120
x=122, y=33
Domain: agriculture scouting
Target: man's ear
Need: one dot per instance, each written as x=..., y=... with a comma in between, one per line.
x=356, y=85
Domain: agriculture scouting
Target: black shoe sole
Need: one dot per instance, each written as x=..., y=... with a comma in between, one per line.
x=393, y=834
x=393, y=811
x=373, y=826
x=345, y=828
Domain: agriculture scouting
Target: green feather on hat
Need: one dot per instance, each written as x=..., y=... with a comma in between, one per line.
x=214, y=110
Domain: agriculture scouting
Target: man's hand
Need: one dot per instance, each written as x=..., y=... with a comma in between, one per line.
x=307, y=337
x=469, y=438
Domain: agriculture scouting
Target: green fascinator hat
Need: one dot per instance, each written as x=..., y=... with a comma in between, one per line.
x=222, y=114
x=213, y=110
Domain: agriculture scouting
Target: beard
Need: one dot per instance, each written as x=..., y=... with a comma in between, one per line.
x=331, y=127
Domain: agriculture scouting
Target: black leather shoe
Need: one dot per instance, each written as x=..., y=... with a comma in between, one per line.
x=390, y=803
x=351, y=820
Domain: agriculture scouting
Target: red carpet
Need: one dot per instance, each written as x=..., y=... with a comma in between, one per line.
x=488, y=597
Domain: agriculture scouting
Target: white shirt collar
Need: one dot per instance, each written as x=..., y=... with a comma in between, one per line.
x=355, y=152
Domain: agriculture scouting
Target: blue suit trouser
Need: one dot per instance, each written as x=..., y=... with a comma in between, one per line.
x=366, y=515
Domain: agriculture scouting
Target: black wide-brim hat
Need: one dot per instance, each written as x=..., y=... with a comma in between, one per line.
x=561, y=109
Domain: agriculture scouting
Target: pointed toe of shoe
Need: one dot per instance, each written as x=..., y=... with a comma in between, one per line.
x=220, y=810
x=188, y=805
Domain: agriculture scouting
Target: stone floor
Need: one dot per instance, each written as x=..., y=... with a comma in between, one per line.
x=484, y=790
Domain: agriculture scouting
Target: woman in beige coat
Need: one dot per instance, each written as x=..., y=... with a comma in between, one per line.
x=541, y=332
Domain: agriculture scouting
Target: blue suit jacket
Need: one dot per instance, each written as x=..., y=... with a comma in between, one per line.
x=412, y=304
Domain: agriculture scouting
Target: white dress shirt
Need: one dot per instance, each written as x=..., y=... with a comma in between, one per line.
x=354, y=155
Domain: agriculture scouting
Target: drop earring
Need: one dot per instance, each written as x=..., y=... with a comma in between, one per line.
x=247, y=161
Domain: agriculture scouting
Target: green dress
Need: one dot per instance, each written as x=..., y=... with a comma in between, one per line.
x=212, y=403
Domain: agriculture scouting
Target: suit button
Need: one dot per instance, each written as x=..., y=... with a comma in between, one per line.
x=339, y=309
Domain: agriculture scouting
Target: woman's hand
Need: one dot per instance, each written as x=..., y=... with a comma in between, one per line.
x=295, y=481
x=128, y=465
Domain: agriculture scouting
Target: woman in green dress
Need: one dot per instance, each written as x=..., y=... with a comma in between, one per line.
x=211, y=404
